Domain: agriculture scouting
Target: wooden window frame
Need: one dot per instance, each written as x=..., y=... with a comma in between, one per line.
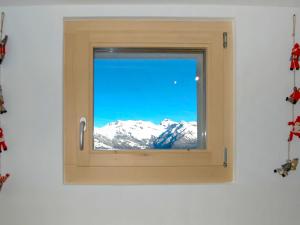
x=147, y=166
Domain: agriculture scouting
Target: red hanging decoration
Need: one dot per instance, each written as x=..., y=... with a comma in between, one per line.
x=3, y=179
x=295, y=57
x=293, y=98
x=2, y=108
x=295, y=128
x=3, y=48
x=3, y=145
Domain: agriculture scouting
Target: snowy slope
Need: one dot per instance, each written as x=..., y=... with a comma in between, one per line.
x=177, y=136
x=140, y=134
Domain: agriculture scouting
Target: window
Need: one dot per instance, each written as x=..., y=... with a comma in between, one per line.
x=147, y=101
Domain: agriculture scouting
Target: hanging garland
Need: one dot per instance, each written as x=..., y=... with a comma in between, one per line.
x=3, y=146
x=291, y=164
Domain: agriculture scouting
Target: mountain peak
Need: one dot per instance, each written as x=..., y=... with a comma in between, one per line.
x=166, y=123
x=139, y=134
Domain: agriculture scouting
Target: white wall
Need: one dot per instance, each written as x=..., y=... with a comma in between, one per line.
x=32, y=80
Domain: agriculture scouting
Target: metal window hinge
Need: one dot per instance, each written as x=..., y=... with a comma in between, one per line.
x=225, y=40
x=225, y=158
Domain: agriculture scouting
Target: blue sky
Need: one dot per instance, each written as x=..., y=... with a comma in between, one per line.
x=144, y=89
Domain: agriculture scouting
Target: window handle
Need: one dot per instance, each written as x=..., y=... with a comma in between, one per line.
x=82, y=129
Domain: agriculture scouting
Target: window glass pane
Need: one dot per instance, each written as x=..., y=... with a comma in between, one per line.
x=151, y=99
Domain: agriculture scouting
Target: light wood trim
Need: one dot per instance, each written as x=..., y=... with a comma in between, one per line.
x=147, y=175
x=229, y=100
x=82, y=36
x=145, y=25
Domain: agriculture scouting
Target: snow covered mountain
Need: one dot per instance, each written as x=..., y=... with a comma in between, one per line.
x=138, y=134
